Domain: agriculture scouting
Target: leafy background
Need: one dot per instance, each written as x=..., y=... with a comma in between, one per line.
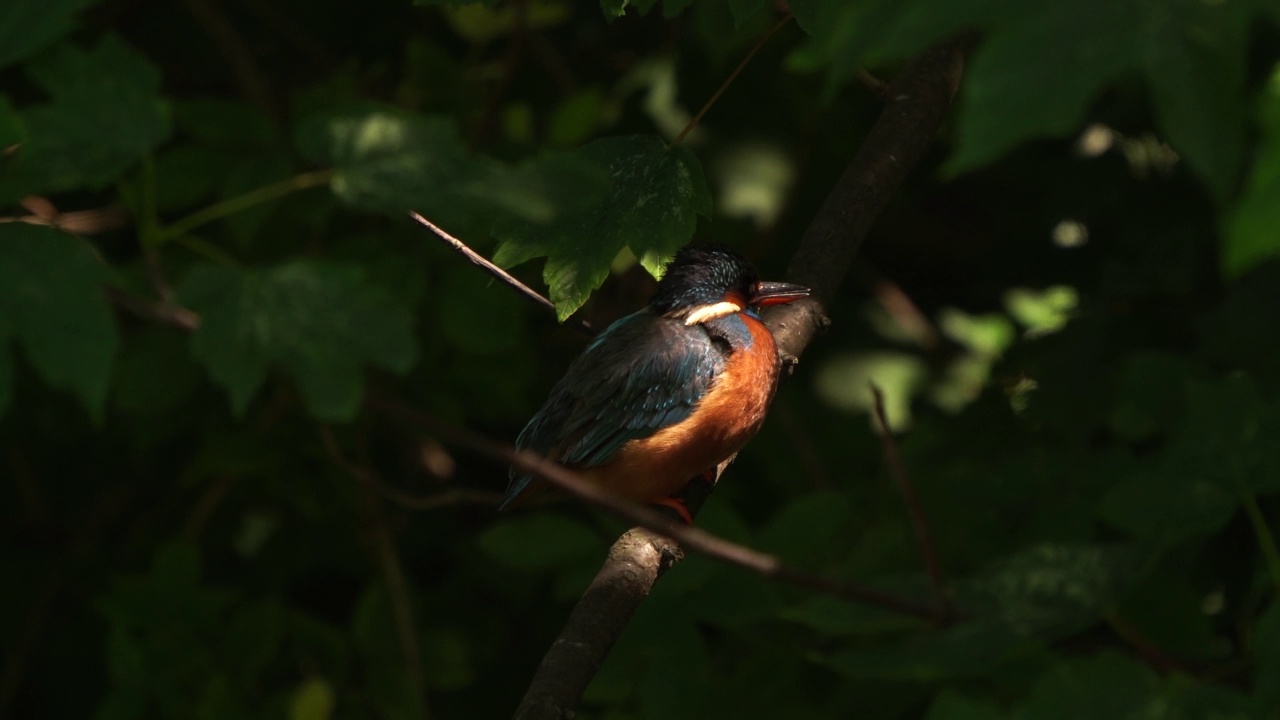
x=212, y=304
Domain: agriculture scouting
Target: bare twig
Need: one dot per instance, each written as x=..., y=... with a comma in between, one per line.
x=919, y=523
x=691, y=538
x=732, y=76
x=510, y=67
x=506, y=277
x=873, y=83
x=78, y=222
x=253, y=82
x=366, y=477
x=388, y=559
x=917, y=103
x=392, y=568
x=172, y=315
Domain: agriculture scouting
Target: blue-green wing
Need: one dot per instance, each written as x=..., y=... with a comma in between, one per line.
x=642, y=374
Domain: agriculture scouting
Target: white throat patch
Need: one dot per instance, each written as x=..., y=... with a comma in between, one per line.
x=703, y=313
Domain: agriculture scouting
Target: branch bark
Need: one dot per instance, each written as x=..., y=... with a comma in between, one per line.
x=918, y=100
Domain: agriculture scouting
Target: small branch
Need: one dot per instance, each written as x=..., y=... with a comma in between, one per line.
x=366, y=477
x=1154, y=656
x=253, y=82
x=478, y=259
x=873, y=83
x=732, y=76
x=689, y=537
x=919, y=523
x=78, y=222
x=510, y=66
x=388, y=559
x=172, y=315
x=239, y=203
x=917, y=103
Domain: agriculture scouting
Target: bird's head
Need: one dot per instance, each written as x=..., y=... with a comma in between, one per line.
x=705, y=283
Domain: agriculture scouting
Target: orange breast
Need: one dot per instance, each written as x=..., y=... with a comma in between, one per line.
x=727, y=417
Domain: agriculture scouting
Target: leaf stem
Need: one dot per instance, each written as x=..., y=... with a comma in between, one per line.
x=243, y=202
x=1266, y=540
x=732, y=76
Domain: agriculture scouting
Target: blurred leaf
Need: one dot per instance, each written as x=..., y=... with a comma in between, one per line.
x=808, y=530
x=1106, y=685
x=466, y=295
x=654, y=196
x=29, y=25
x=394, y=161
x=1251, y=235
x=12, y=129
x=744, y=10
x=320, y=322
x=952, y=706
x=1044, y=311
x=313, y=700
x=1147, y=401
x=52, y=304
x=227, y=124
x=105, y=113
x=832, y=616
x=1266, y=651
x=1029, y=599
x=540, y=542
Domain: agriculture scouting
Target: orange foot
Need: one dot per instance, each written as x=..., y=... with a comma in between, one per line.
x=677, y=505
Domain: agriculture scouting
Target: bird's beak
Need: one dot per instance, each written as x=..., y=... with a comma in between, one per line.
x=776, y=293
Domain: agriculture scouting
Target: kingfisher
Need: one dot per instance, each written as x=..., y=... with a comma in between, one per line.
x=666, y=394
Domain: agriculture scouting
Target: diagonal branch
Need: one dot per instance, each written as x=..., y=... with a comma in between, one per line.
x=917, y=102
x=477, y=259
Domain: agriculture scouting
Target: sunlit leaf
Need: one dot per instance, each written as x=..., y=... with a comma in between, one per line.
x=651, y=204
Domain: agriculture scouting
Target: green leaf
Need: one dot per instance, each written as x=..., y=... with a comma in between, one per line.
x=313, y=700
x=744, y=10
x=319, y=322
x=1043, y=65
x=1251, y=235
x=953, y=706
x=29, y=25
x=540, y=542
x=52, y=304
x=651, y=204
x=12, y=129
x=394, y=161
x=1107, y=685
x=1037, y=76
x=1036, y=596
x=1266, y=651
x=104, y=114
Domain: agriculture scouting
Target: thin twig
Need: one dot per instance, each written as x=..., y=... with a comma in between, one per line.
x=239, y=203
x=732, y=76
x=388, y=557
x=1155, y=657
x=365, y=476
x=873, y=83
x=478, y=259
x=238, y=54
x=172, y=315
x=688, y=537
x=510, y=66
x=919, y=524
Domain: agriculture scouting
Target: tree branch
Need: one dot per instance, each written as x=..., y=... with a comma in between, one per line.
x=917, y=102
